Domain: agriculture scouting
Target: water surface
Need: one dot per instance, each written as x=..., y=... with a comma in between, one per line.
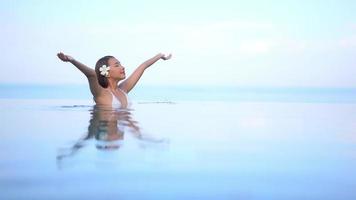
x=68, y=149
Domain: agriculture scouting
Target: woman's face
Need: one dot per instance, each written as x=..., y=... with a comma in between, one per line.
x=117, y=71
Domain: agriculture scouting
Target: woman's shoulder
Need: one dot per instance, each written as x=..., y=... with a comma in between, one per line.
x=104, y=97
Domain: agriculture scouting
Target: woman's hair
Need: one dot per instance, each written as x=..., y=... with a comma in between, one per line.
x=103, y=81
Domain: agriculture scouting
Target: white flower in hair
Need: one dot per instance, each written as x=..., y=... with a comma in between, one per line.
x=104, y=70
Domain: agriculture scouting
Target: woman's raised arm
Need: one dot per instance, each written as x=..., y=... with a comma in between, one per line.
x=87, y=71
x=95, y=88
x=131, y=81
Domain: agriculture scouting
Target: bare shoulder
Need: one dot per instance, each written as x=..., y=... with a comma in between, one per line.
x=104, y=97
x=95, y=87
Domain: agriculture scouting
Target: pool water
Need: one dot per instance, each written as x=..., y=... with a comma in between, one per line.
x=69, y=149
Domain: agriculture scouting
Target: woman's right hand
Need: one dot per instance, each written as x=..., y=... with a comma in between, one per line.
x=64, y=58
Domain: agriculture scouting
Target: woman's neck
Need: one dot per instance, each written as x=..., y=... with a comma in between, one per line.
x=113, y=84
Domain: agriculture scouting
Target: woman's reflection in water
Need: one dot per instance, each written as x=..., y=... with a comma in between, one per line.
x=108, y=127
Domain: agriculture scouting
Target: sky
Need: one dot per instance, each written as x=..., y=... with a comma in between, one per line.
x=305, y=43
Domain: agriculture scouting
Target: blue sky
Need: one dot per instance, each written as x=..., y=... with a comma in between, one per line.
x=235, y=43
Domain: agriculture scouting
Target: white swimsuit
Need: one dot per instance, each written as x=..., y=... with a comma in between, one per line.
x=116, y=102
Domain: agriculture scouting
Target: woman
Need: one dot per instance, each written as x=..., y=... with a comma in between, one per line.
x=104, y=80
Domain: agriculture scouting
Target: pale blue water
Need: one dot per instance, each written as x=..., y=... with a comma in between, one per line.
x=176, y=144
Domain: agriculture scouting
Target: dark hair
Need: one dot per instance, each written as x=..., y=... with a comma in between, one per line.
x=103, y=81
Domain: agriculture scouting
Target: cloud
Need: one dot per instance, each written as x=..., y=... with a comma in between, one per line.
x=244, y=37
x=198, y=38
x=213, y=38
x=348, y=42
x=353, y=26
x=255, y=47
